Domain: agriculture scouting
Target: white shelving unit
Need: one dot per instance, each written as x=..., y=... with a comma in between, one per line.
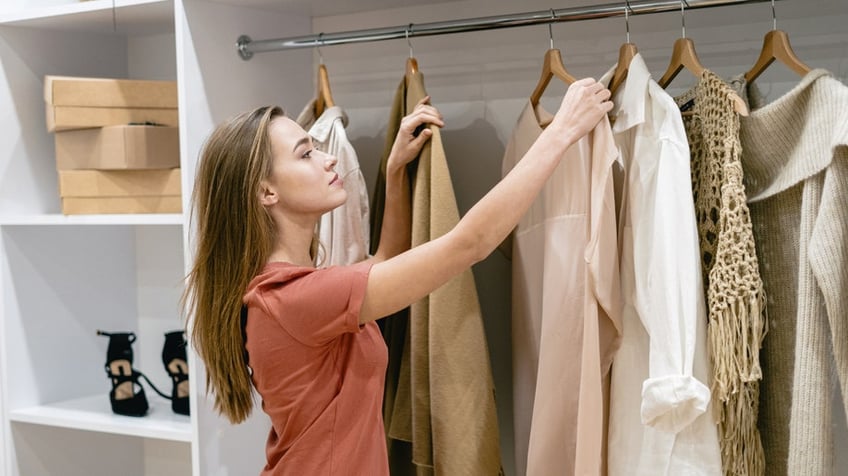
x=63, y=277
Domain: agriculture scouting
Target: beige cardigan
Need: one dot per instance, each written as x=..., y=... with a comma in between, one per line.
x=795, y=158
x=441, y=397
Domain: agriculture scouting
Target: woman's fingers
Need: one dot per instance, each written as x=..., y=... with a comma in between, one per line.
x=426, y=114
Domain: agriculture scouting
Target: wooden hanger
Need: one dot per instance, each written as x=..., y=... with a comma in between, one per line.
x=411, y=68
x=324, y=98
x=683, y=55
x=551, y=66
x=776, y=47
x=411, y=62
x=625, y=56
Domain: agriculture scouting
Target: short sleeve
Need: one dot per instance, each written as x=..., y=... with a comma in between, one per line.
x=319, y=306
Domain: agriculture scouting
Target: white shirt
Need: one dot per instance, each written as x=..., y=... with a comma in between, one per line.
x=659, y=418
x=344, y=232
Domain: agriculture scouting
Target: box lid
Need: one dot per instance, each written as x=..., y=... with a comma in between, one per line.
x=106, y=92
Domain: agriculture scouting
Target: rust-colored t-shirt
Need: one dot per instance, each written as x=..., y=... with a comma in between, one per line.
x=320, y=373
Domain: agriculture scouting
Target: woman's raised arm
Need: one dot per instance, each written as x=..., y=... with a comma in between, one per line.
x=397, y=282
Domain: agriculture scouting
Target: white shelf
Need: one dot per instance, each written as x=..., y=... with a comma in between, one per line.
x=94, y=414
x=132, y=17
x=118, y=219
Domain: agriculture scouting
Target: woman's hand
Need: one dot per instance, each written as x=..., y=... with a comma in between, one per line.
x=408, y=144
x=583, y=106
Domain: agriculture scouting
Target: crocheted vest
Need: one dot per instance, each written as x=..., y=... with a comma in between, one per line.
x=734, y=289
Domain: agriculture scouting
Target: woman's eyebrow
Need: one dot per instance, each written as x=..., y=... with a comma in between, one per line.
x=303, y=140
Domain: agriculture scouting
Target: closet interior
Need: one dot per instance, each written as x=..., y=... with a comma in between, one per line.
x=62, y=277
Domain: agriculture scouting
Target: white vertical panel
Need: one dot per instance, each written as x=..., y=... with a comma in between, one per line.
x=5, y=443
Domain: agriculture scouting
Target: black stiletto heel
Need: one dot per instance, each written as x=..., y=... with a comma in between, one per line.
x=174, y=358
x=127, y=395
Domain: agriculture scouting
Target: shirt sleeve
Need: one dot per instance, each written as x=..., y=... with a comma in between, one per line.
x=318, y=307
x=669, y=290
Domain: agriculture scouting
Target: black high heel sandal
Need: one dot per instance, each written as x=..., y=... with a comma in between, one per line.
x=127, y=395
x=174, y=358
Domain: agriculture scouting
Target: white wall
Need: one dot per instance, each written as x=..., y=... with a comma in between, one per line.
x=481, y=80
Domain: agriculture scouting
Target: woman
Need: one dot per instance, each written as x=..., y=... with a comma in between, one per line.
x=310, y=345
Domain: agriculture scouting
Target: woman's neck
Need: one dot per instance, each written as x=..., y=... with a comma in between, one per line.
x=294, y=241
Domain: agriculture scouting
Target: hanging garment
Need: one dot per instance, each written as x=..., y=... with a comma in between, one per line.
x=795, y=159
x=659, y=423
x=440, y=397
x=343, y=232
x=735, y=297
x=565, y=305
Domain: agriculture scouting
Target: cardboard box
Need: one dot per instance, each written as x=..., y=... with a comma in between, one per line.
x=118, y=147
x=119, y=183
x=102, y=205
x=74, y=103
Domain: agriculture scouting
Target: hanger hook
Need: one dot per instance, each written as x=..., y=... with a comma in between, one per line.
x=773, y=17
x=550, y=28
x=682, y=19
x=408, y=30
x=318, y=47
x=627, y=10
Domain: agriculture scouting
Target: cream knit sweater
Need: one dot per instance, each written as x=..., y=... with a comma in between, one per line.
x=795, y=160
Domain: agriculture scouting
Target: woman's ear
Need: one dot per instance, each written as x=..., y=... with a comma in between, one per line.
x=267, y=195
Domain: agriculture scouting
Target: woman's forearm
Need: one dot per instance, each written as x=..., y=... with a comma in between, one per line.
x=492, y=218
x=395, y=234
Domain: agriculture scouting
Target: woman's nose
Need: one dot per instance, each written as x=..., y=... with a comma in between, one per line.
x=330, y=162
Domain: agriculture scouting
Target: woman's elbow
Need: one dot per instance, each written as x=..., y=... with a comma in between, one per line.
x=471, y=248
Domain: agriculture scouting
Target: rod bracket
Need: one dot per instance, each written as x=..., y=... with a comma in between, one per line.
x=241, y=45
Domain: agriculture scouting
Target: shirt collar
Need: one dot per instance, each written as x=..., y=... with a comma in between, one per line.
x=630, y=99
x=322, y=128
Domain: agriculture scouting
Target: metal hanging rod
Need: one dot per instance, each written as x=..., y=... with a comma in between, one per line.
x=247, y=47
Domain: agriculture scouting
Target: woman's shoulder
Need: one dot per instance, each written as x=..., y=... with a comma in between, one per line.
x=307, y=288
x=279, y=273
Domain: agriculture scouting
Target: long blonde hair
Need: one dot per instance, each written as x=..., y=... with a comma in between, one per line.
x=234, y=239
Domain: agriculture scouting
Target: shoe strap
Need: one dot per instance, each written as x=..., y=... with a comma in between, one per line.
x=121, y=378
x=151, y=385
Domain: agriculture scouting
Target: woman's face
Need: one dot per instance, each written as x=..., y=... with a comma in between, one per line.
x=303, y=180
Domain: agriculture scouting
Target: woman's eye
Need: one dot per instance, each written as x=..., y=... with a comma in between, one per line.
x=307, y=154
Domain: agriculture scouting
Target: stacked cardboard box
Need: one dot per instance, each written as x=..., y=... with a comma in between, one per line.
x=117, y=144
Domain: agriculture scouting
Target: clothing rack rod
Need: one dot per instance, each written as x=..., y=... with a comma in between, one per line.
x=247, y=47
